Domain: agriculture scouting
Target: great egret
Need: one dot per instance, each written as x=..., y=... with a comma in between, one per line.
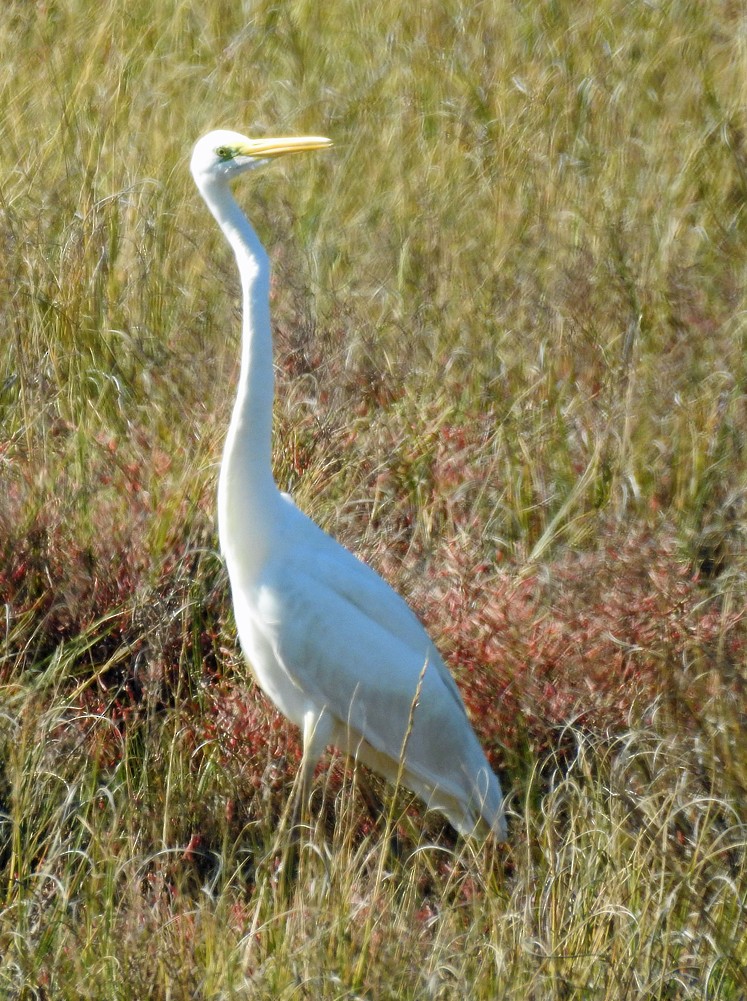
x=331, y=644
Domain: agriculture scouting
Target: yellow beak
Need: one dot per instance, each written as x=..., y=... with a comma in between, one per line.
x=264, y=148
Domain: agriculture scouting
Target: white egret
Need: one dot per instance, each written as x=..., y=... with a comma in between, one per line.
x=330, y=643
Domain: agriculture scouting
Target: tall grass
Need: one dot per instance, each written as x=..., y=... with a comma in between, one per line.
x=510, y=339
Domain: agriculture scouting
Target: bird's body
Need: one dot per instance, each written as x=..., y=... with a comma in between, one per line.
x=330, y=643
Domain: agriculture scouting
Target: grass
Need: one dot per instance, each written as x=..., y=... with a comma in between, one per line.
x=509, y=314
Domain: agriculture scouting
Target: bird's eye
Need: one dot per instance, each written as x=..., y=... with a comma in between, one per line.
x=224, y=152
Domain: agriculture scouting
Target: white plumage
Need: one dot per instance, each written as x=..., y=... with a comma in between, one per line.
x=330, y=643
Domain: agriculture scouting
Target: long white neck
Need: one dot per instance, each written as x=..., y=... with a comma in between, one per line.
x=247, y=494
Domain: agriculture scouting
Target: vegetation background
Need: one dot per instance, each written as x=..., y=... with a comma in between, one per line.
x=510, y=328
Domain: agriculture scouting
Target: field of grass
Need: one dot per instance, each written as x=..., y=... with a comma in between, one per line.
x=511, y=332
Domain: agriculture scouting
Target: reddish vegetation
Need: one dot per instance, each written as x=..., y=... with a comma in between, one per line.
x=250, y=740
x=593, y=639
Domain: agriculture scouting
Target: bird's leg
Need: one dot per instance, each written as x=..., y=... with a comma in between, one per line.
x=302, y=792
x=317, y=730
x=316, y=733
x=373, y=801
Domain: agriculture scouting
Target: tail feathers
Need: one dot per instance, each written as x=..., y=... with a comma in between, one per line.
x=479, y=813
x=491, y=804
x=468, y=794
x=486, y=808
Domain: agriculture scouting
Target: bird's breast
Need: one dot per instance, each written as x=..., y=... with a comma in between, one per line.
x=256, y=629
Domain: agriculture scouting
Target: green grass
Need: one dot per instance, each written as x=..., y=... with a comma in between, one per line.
x=511, y=373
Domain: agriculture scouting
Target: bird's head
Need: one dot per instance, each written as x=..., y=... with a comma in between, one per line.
x=222, y=155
